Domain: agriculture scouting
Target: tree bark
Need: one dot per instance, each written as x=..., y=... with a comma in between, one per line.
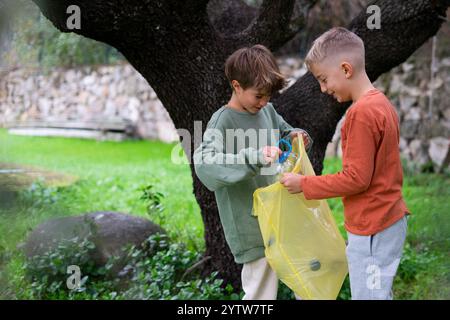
x=174, y=45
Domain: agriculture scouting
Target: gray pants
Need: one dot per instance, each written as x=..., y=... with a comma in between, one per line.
x=373, y=261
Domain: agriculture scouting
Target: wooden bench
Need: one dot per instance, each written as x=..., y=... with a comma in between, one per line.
x=101, y=130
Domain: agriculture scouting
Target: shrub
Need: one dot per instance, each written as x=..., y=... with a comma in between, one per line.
x=156, y=270
x=48, y=273
x=167, y=274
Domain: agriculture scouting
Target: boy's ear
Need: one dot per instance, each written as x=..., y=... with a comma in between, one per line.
x=235, y=84
x=347, y=68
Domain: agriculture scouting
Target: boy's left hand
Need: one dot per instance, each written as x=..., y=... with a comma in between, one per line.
x=301, y=134
x=292, y=182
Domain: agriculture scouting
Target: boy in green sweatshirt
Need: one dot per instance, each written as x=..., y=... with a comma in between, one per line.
x=235, y=159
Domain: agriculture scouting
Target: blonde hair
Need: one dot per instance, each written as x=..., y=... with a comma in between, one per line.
x=337, y=42
x=255, y=67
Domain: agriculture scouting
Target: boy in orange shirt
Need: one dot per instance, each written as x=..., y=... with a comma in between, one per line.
x=370, y=183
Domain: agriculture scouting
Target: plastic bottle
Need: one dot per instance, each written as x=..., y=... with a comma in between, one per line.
x=287, y=159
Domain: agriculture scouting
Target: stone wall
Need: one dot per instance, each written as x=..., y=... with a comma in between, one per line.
x=103, y=93
x=423, y=105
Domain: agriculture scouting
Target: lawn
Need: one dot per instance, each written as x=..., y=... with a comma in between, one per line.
x=111, y=175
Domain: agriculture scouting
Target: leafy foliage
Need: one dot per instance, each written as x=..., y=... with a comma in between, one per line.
x=36, y=42
x=153, y=201
x=47, y=273
x=156, y=270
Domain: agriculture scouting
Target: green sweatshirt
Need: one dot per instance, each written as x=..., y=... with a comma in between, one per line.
x=234, y=171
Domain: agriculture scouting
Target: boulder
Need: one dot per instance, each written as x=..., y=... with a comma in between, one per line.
x=109, y=231
x=413, y=114
x=418, y=152
x=439, y=152
x=331, y=149
x=409, y=128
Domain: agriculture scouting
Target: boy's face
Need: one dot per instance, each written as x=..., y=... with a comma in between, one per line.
x=251, y=99
x=333, y=78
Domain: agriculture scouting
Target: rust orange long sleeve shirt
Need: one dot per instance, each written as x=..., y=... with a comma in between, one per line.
x=370, y=183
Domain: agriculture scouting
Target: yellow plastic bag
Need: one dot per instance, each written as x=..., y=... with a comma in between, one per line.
x=302, y=242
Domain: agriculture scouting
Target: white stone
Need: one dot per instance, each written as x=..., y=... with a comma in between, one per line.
x=403, y=144
x=88, y=81
x=121, y=101
x=299, y=73
x=331, y=149
x=418, y=151
x=413, y=114
x=413, y=91
x=70, y=75
x=436, y=83
x=153, y=95
x=445, y=62
x=132, y=109
x=396, y=84
x=44, y=105
x=29, y=85
x=446, y=113
x=407, y=67
x=166, y=132
x=406, y=102
x=339, y=149
x=439, y=150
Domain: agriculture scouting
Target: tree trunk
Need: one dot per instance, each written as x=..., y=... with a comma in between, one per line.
x=176, y=48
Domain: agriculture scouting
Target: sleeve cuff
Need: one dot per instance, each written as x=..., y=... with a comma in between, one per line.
x=305, y=188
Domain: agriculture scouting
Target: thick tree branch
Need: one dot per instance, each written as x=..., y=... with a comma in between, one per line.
x=150, y=22
x=273, y=19
x=300, y=15
x=222, y=15
x=401, y=33
x=277, y=22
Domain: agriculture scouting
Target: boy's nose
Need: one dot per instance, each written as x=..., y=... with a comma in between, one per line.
x=323, y=88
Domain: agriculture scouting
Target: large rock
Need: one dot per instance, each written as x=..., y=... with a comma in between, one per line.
x=408, y=129
x=419, y=152
x=109, y=231
x=439, y=152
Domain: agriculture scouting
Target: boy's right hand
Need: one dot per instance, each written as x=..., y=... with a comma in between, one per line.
x=271, y=153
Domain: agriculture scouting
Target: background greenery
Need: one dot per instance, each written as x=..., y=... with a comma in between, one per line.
x=115, y=176
x=32, y=41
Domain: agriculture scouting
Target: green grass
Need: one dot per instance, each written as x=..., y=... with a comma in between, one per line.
x=112, y=174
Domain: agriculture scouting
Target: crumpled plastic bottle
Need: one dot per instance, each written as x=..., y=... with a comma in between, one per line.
x=287, y=160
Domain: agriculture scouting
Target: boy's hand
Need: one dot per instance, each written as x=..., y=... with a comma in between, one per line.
x=292, y=182
x=271, y=153
x=301, y=134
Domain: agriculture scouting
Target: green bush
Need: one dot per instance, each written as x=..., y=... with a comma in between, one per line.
x=412, y=263
x=156, y=270
x=47, y=273
x=167, y=274
x=422, y=274
x=36, y=42
x=345, y=293
x=39, y=195
x=153, y=203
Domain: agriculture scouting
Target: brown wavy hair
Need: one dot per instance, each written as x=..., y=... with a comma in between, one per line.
x=255, y=67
